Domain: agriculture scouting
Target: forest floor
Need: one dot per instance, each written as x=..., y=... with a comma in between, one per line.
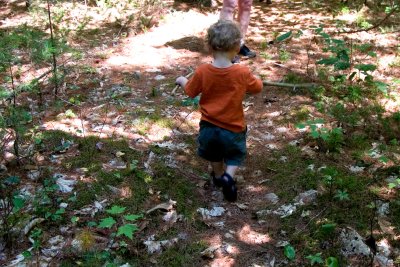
x=126, y=140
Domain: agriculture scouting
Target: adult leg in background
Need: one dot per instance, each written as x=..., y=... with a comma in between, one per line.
x=228, y=8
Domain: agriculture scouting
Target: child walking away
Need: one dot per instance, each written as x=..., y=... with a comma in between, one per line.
x=223, y=86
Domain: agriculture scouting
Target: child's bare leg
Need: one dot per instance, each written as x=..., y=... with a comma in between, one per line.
x=218, y=168
x=231, y=170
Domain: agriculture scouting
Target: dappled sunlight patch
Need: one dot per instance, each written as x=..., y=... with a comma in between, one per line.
x=150, y=49
x=391, y=104
x=158, y=133
x=255, y=189
x=247, y=235
x=223, y=262
x=87, y=179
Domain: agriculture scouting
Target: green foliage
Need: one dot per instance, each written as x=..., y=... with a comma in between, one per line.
x=107, y=222
x=331, y=262
x=284, y=36
x=11, y=202
x=315, y=259
x=342, y=195
x=46, y=201
x=127, y=230
x=394, y=184
x=328, y=229
x=284, y=55
x=340, y=58
x=289, y=252
x=117, y=219
x=116, y=210
x=332, y=138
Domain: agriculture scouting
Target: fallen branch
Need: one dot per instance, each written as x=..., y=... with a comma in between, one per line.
x=373, y=26
x=291, y=85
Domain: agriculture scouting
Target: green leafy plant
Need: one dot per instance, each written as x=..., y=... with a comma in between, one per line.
x=331, y=262
x=328, y=228
x=11, y=202
x=123, y=224
x=284, y=55
x=289, y=252
x=35, y=235
x=331, y=139
x=339, y=59
x=46, y=202
x=315, y=259
x=342, y=195
x=394, y=184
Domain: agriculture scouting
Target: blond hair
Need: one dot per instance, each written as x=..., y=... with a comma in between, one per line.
x=223, y=36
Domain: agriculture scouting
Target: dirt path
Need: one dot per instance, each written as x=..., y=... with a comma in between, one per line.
x=275, y=181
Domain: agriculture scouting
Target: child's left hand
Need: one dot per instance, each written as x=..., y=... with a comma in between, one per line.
x=181, y=81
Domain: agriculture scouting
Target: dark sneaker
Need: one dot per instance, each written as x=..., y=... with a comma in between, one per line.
x=229, y=188
x=236, y=60
x=217, y=181
x=245, y=51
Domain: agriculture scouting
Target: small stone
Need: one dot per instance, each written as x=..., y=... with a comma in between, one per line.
x=306, y=198
x=209, y=252
x=305, y=213
x=137, y=75
x=353, y=244
x=257, y=173
x=281, y=243
x=3, y=168
x=241, y=206
x=229, y=235
x=229, y=248
x=283, y=159
x=8, y=157
x=99, y=146
x=171, y=216
x=356, y=169
x=33, y=175
x=219, y=224
x=272, y=198
x=382, y=208
x=159, y=77
x=264, y=181
x=214, y=212
x=239, y=179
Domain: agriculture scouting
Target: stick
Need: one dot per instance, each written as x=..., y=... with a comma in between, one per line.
x=299, y=85
x=177, y=86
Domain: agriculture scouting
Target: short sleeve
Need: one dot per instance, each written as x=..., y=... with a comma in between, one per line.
x=254, y=84
x=194, y=85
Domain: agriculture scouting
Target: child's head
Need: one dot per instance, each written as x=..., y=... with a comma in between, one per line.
x=224, y=36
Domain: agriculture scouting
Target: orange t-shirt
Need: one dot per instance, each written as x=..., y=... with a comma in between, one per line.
x=222, y=92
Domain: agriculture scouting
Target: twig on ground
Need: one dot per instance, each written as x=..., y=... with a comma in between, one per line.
x=313, y=218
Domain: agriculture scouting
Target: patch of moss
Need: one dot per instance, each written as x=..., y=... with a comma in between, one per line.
x=138, y=183
x=180, y=189
x=87, y=193
x=183, y=254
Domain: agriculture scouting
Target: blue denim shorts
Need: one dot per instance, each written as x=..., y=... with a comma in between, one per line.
x=218, y=144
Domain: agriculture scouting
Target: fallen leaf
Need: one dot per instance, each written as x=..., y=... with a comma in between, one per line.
x=166, y=206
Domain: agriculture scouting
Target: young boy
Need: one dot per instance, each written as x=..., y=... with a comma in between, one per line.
x=222, y=85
